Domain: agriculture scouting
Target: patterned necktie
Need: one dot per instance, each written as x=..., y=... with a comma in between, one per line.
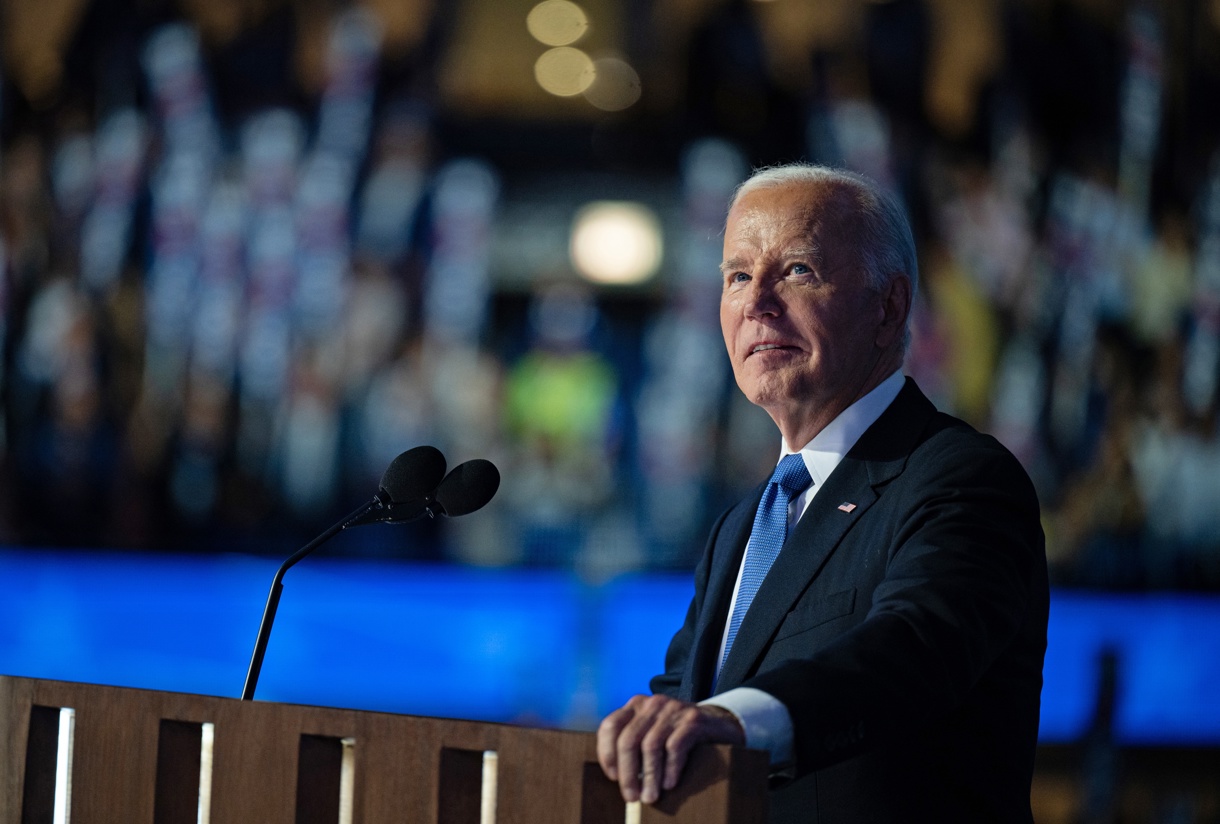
x=767, y=537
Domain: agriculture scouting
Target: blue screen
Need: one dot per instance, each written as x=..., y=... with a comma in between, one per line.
x=527, y=646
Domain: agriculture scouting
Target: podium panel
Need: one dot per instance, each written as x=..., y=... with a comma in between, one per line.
x=93, y=754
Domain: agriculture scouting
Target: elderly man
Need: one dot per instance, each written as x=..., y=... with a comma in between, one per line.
x=875, y=615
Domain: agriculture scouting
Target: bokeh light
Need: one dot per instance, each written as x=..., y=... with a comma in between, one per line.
x=615, y=85
x=557, y=22
x=616, y=242
x=564, y=71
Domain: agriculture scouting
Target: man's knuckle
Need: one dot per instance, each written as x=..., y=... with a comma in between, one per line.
x=655, y=703
x=654, y=742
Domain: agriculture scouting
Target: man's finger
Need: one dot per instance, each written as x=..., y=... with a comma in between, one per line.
x=653, y=753
x=690, y=728
x=607, y=739
x=631, y=757
x=679, y=745
x=698, y=725
x=644, y=745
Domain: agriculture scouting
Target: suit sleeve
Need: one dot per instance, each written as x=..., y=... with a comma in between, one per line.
x=964, y=577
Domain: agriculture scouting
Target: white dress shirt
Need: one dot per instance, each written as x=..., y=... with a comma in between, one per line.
x=763, y=717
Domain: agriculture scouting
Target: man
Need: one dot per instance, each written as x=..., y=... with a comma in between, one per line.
x=890, y=660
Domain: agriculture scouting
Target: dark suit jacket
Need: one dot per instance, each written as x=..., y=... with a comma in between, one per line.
x=905, y=637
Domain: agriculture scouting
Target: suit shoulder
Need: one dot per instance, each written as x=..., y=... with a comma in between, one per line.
x=950, y=445
x=945, y=431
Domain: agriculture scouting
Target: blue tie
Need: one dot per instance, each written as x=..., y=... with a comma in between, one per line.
x=767, y=537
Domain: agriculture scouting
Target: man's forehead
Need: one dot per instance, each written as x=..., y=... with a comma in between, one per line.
x=801, y=232
x=800, y=206
x=806, y=245
x=760, y=220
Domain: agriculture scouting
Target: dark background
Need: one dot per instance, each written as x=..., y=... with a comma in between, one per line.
x=253, y=249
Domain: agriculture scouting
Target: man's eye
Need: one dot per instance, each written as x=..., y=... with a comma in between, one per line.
x=738, y=277
x=801, y=269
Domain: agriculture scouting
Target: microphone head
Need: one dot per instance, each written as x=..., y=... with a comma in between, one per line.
x=413, y=474
x=468, y=487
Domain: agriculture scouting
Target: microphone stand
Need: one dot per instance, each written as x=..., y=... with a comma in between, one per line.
x=277, y=586
x=467, y=488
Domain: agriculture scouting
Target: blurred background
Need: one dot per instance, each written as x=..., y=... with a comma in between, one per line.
x=253, y=249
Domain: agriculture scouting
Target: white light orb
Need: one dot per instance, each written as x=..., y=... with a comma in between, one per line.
x=616, y=242
x=564, y=72
x=557, y=22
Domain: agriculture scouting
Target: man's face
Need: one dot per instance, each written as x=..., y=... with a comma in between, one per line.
x=805, y=334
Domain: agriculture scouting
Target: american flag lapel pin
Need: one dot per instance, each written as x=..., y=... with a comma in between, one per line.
x=846, y=506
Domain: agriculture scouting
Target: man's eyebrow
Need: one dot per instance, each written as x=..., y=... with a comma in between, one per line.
x=732, y=264
x=812, y=253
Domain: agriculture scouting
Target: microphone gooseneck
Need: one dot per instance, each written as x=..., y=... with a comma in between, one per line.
x=413, y=475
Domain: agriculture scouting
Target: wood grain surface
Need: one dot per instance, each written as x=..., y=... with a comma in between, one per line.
x=136, y=759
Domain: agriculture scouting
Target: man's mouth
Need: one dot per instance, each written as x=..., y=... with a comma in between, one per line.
x=763, y=347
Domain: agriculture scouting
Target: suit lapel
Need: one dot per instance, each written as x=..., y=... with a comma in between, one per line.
x=877, y=458
x=812, y=541
x=728, y=551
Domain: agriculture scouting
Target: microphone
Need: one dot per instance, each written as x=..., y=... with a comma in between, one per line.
x=468, y=487
x=406, y=485
x=412, y=475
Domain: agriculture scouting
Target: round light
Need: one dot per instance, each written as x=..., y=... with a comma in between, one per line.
x=557, y=22
x=615, y=85
x=616, y=242
x=564, y=71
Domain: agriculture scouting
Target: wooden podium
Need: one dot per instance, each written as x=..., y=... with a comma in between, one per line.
x=112, y=755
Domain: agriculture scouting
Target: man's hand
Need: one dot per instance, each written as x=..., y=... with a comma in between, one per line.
x=644, y=744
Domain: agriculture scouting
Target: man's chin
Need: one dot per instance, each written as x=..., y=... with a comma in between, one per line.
x=772, y=399
x=768, y=388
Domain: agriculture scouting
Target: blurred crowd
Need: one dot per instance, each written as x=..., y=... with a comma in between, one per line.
x=222, y=320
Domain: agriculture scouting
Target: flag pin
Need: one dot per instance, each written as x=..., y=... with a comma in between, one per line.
x=846, y=507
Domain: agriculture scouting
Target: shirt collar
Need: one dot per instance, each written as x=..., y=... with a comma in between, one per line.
x=828, y=447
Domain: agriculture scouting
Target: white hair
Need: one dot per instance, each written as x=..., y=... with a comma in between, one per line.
x=886, y=243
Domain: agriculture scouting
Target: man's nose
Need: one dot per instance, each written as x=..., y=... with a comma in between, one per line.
x=761, y=299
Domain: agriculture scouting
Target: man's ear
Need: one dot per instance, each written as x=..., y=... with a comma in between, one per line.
x=896, y=306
